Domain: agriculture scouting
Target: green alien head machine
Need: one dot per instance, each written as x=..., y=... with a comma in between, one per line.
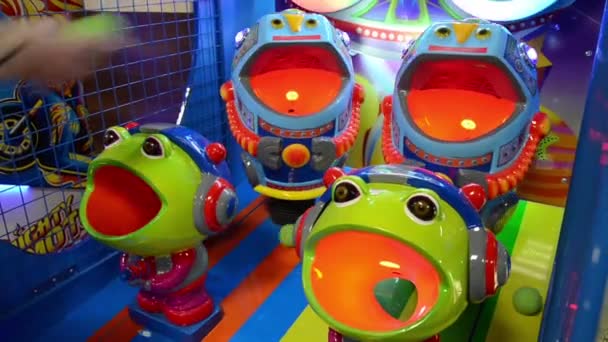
x=155, y=193
x=395, y=253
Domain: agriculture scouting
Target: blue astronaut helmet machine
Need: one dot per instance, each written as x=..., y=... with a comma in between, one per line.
x=292, y=102
x=472, y=65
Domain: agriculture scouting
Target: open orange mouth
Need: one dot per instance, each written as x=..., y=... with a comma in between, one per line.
x=459, y=100
x=121, y=202
x=295, y=80
x=348, y=268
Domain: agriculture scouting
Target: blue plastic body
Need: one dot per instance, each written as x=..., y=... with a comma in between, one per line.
x=574, y=303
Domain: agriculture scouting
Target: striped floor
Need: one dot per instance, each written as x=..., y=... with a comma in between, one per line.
x=258, y=284
x=548, y=179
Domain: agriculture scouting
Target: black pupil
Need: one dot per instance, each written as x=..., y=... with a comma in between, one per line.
x=483, y=32
x=422, y=207
x=152, y=147
x=345, y=192
x=311, y=22
x=443, y=30
x=110, y=137
x=276, y=22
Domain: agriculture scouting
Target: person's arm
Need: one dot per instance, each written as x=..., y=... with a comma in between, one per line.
x=47, y=49
x=13, y=42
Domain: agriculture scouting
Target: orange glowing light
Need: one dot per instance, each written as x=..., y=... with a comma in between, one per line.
x=292, y=95
x=468, y=124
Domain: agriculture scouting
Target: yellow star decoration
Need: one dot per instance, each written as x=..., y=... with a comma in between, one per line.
x=537, y=43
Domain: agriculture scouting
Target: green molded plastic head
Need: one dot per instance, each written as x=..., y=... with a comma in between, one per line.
x=138, y=202
x=386, y=260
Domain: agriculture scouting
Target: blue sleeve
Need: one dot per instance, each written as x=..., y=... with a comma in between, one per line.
x=30, y=94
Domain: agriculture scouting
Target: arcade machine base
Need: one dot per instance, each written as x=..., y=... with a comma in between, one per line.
x=158, y=329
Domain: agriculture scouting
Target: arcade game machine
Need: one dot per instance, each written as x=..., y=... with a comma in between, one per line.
x=263, y=298
x=290, y=128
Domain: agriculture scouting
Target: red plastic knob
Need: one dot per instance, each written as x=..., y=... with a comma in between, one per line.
x=476, y=194
x=227, y=91
x=359, y=93
x=541, y=124
x=216, y=152
x=387, y=105
x=331, y=175
x=131, y=125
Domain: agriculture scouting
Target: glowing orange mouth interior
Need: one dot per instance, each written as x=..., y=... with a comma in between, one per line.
x=460, y=100
x=121, y=202
x=295, y=80
x=349, y=265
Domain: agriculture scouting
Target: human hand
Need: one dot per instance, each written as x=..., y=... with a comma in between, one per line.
x=52, y=50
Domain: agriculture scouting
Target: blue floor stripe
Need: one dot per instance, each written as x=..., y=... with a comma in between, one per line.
x=277, y=314
x=87, y=318
x=246, y=195
x=231, y=270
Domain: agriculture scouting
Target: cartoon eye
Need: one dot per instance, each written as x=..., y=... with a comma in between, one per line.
x=153, y=148
x=443, y=32
x=111, y=138
x=311, y=23
x=483, y=33
x=277, y=23
x=346, y=193
x=421, y=208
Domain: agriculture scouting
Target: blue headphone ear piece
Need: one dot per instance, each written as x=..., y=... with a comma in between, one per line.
x=215, y=205
x=486, y=254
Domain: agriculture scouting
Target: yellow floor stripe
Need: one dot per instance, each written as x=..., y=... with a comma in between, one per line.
x=531, y=263
x=307, y=328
